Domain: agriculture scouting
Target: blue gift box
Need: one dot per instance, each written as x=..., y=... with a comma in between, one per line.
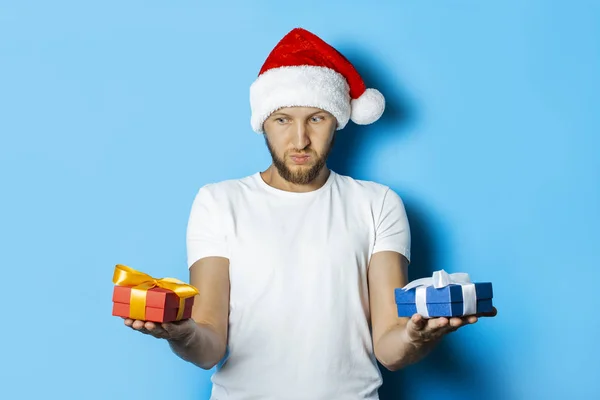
x=444, y=302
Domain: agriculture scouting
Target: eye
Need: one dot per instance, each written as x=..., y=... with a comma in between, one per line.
x=317, y=118
x=281, y=120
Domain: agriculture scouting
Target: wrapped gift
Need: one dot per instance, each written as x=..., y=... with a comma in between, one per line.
x=140, y=296
x=444, y=295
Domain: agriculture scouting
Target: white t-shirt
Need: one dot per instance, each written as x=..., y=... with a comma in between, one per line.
x=299, y=323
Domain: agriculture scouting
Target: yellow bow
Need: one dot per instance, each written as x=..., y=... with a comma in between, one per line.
x=141, y=282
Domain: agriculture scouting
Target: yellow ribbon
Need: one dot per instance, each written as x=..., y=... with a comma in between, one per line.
x=141, y=282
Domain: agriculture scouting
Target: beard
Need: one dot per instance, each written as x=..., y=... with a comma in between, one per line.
x=302, y=175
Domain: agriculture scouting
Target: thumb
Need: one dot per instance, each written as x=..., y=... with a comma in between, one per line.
x=170, y=327
x=176, y=330
x=418, y=322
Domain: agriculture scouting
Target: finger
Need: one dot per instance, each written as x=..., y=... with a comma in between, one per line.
x=418, y=322
x=453, y=325
x=456, y=323
x=434, y=325
x=156, y=330
x=137, y=324
x=180, y=329
x=153, y=328
x=171, y=331
x=128, y=321
x=414, y=329
x=170, y=328
x=435, y=329
x=149, y=325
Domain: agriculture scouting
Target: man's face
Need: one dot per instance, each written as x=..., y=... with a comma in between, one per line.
x=300, y=140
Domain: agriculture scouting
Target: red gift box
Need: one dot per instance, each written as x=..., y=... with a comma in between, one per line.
x=162, y=305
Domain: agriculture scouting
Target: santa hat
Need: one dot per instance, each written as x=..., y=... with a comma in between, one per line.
x=303, y=70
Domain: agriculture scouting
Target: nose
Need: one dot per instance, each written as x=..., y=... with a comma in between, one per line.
x=301, y=137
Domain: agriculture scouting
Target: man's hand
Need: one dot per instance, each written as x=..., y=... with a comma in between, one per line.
x=172, y=331
x=420, y=331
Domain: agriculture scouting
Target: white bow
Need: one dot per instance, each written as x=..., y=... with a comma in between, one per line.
x=441, y=279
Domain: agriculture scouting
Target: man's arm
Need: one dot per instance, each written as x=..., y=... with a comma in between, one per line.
x=400, y=341
x=207, y=343
x=388, y=271
x=201, y=340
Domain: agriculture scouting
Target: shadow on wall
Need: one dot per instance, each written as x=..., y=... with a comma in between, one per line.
x=451, y=367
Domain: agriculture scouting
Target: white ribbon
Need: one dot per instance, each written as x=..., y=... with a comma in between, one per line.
x=441, y=279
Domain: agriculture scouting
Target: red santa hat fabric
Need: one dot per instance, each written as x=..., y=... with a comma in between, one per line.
x=303, y=70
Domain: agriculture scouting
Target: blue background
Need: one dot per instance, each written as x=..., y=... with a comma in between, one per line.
x=113, y=114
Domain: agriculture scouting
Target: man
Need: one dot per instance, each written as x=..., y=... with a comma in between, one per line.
x=297, y=265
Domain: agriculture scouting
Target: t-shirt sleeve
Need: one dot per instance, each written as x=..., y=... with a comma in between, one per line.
x=205, y=235
x=392, y=230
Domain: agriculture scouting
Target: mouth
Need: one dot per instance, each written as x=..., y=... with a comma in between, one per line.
x=300, y=159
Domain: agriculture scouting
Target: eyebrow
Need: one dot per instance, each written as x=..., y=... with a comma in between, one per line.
x=287, y=115
x=279, y=113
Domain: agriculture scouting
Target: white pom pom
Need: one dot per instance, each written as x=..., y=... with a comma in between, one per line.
x=368, y=108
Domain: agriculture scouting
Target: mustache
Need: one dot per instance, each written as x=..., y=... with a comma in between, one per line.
x=301, y=152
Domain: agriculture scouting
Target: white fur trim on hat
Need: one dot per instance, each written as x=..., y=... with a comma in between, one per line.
x=303, y=86
x=368, y=107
